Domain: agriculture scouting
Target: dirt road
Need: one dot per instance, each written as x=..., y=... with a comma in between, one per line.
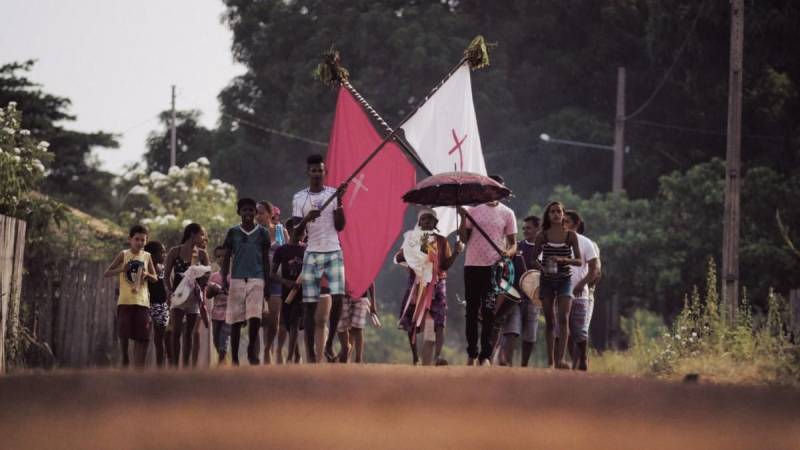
x=387, y=407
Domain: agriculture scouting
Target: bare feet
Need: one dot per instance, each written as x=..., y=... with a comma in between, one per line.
x=344, y=355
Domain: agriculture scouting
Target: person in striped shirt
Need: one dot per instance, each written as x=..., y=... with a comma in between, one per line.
x=560, y=250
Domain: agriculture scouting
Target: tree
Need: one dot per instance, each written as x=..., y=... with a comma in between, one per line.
x=655, y=250
x=74, y=177
x=193, y=141
x=554, y=70
x=166, y=203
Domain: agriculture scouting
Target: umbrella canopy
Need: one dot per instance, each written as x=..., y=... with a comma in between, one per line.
x=455, y=189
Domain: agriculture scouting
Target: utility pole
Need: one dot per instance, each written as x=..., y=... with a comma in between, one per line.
x=172, y=139
x=730, y=238
x=619, y=133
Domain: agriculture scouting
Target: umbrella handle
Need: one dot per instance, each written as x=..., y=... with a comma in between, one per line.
x=457, y=237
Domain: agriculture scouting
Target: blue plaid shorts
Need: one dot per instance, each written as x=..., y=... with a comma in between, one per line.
x=315, y=264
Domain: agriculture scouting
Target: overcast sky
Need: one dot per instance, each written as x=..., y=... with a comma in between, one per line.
x=116, y=61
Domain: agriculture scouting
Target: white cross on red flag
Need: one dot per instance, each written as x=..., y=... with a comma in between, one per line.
x=444, y=133
x=373, y=204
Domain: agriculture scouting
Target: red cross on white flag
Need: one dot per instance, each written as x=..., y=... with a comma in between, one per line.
x=444, y=133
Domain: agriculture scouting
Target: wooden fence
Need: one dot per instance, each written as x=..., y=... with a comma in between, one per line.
x=12, y=247
x=794, y=314
x=72, y=313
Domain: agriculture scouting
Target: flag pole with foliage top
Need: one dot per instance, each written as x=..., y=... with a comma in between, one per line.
x=331, y=72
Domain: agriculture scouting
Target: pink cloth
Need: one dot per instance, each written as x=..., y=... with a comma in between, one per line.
x=498, y=222
x=373, y=205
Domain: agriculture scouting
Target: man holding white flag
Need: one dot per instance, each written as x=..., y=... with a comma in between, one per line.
x=444, y=133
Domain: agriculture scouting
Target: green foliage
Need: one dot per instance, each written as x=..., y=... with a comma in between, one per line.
x=553, y=70
x=701, y=342
x=773, y=334
x=22, y=161
x=387, y=344
x=166, y=203
x=652, y=248
x=192, y=141
x=73, y=176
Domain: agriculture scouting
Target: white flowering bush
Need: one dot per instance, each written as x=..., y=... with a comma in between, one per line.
x=165, y=203
x=23, y=160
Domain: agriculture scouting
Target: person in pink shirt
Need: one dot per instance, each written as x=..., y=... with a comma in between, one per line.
x=220, y=331
x=500, y=223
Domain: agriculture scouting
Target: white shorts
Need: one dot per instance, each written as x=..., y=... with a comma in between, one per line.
x=245, y=300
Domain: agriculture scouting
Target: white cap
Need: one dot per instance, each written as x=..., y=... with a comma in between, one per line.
x=425, y=211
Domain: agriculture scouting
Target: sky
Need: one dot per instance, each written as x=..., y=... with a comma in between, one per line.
x=116, y=61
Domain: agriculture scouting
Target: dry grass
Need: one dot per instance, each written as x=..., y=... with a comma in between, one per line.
x=716, y=368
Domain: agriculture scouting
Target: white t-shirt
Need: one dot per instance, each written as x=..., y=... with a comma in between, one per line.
x=589, y=251
x=322, y=234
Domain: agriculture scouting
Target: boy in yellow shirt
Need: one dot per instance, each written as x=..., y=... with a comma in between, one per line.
x=134, y=267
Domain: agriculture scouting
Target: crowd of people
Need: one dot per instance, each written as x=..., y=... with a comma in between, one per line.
x=281, y=281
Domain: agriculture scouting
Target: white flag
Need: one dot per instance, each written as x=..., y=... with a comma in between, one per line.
x=444, y=133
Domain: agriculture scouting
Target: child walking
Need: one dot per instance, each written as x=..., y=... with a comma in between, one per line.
x=184, y=314
x=134, y=267
x=355, y=314
x=220, y=330
x=247, y=260
x=560, y=249
x=159, y=308
x=289, y=258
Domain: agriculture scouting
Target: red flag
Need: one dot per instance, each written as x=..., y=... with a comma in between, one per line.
x=373, y=206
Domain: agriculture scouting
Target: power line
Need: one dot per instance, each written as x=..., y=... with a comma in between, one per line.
x=285, y=134
x=674, y=63
x=133, y=127
x=258, y=126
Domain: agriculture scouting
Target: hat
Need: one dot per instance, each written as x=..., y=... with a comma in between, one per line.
x=426, y=211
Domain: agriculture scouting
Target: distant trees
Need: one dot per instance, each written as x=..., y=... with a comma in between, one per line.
x=74, y=176
x=654, y=250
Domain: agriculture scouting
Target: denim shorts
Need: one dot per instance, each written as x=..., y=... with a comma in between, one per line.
x=523, y=321
x=555, y=288
x=580, y=316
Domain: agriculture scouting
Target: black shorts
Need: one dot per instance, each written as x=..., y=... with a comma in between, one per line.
x=133, y=322
x=292, y=314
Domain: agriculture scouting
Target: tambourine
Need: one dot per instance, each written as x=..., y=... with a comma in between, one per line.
x=529, y=283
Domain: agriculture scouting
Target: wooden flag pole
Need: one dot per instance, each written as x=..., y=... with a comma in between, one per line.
x=330, y=71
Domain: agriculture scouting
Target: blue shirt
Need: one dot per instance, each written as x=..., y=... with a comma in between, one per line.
x=247, y=251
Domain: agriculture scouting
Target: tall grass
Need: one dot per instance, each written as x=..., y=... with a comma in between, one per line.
x=751, y=349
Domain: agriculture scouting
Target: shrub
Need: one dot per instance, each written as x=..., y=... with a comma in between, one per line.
x=166, y=203
x=701, y=341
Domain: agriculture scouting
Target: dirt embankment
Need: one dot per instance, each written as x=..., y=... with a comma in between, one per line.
x=387, y=407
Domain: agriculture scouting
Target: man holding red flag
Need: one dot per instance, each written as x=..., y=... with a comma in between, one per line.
x=374, y=204
x=323, y=256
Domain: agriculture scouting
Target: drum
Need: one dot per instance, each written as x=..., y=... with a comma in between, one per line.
x=529, y=283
